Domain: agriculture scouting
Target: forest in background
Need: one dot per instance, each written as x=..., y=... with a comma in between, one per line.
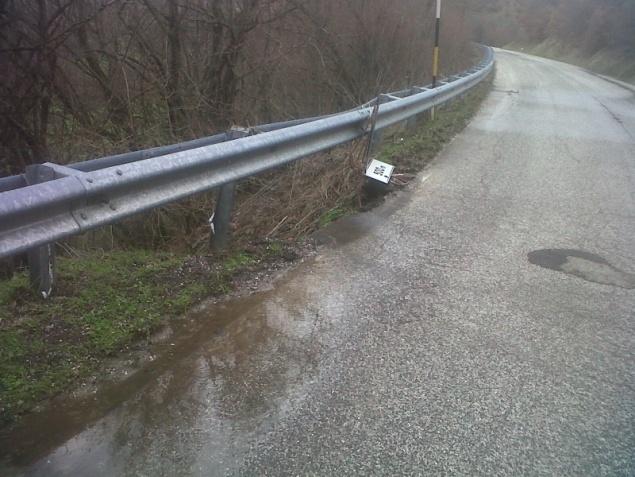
x=588, y=25
x=85, y=78
x=598, y=35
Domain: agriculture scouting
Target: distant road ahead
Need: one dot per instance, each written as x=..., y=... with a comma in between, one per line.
x=481, y=323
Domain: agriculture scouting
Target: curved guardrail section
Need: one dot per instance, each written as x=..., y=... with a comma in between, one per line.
x=60, y=201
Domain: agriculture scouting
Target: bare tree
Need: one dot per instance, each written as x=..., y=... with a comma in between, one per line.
x=30, y=37
x=101, y=76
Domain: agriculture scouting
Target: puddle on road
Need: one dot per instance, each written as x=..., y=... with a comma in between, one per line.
x=224, y=374
x=585, y=265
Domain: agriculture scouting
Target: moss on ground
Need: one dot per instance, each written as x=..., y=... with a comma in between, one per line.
x=102, y=304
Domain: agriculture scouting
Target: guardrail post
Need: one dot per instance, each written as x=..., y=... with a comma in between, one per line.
x=412, y=122
x=375, y=141
x=375, y=136
x=221, y=223
x=42, y=269
x=41, y=260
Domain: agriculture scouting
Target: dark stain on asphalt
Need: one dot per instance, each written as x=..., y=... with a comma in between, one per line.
x=585, y=265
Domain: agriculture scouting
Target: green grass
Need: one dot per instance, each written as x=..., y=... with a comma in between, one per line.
x=239, y=260
x=335, y=213
x=102, y=303
x=274, y=249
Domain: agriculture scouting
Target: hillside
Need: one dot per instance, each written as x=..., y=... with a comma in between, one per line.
x=616, y=64
x=599, y=36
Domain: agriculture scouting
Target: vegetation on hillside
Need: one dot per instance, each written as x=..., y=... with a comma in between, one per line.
x=614, y=63
x=84, y=78
x=599, y=35
x=588, y=25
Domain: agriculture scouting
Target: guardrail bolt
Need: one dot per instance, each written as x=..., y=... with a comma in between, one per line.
x=221, y=223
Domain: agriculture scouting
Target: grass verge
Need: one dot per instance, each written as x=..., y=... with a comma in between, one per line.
x=104, y=302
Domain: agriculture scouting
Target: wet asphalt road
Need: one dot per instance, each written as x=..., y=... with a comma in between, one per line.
x=425, y=341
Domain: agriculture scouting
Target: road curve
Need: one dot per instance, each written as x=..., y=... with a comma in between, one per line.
x=479, y=323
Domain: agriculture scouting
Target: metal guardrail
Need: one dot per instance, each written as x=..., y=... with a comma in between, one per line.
x=50, y=202
x=17, y=181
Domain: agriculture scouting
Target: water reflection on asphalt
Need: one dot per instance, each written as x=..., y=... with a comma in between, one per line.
x=222, y=379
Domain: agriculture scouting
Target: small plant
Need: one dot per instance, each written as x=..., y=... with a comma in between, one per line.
x=334, y=214
x=239, y=260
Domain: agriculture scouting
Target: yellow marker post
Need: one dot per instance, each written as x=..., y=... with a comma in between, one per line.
x=435, y=56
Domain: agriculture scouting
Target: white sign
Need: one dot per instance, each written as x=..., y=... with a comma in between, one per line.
x=380, y=171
